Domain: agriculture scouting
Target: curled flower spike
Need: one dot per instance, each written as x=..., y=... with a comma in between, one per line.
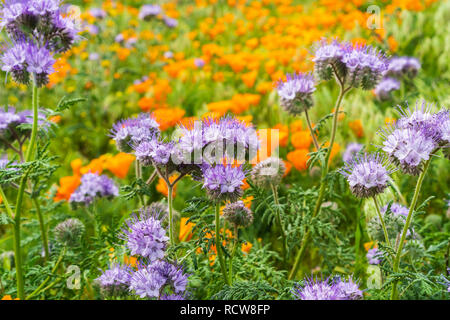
x=223, y=182
x=357, y=66
x=327, y=289
x=403, y=66
x=367, y=174
x=385, y=87
x=268, y=172
x=296, y=92
x=414, y=137
x=145, y=235
x=115, y=280
x=238, y=214
x=150, y=280
x=131, y=132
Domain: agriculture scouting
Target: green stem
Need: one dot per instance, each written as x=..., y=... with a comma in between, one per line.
x=394, y=293
x=233, y=252
x=18, y=211
x=279, y=221
x=305, y=238
x=170, y=203
x=139, y=176
x=311, y=130
x=386, y=235
x=358, y=233
x=42, y=227
x=219, y=246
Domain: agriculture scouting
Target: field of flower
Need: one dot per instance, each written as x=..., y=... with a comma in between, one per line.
x=225, y=149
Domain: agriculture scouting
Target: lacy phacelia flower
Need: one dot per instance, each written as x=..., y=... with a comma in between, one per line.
x=396, y=210
x=25, y=58
x=154, y=152
x=238, y=214
x=413, y=138
x=115, y=281
x=210, y=140
x=335, y=289
x=145, y=236
x=133, y=131
x=296, y=92
x=357, y=66
x=92, y=186
x=223, y=182
x=150, y=281
x=149, y=11
x=268, y=172
x=374, y=256
x=69, y=232
x=351, y=151
x=403, y=66
x=367, y=175
x=385, y=87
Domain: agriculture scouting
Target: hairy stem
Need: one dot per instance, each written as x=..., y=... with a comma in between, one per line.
x=233, y=252
x=170, y=203
x=219, y=246
x=311, y=130
x=279, y=221
x=394, y=292
x=305, y=238
x=42, y=227
x=386, y=235
x=18, y=211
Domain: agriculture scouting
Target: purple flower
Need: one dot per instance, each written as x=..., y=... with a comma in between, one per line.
x=385, y=87
x=199, y=63
x=92, y=186
x=367, y=174
x=149, y=11
x=133, y=131
x=171, y=297
x=170, y=22
x=115, y=280
x=223, y=182
x=328, y=289
x=149, y=281
x=358, y=66
x=296, y=92
x=351, y=151
x=210, y=140
x=39, y=62
x=374, y=256
x=145, y=236
x=401, y=66
x=97, y=13
x=396, y=209
x=154, y=152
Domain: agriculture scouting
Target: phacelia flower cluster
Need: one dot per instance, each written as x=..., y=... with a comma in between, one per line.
x=145, y=236
x=93, y=186
x=69, y=232
x=268, y=172
x=211, y=140
x=115, y=281
x=11, y=125
x=238, y=214
x=37, y=29
x=149, y=11
x=223, y=182
x=367, y=174
x=351, y=151
x=385, y=87
x=403, y=66
x=152, y=280
x=374, y=256
x=296, y=93
x=355, y=65
x=415, y=137
x=328, y=289
x=132, y=132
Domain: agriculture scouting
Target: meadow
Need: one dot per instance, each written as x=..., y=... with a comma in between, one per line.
x=235, y=149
